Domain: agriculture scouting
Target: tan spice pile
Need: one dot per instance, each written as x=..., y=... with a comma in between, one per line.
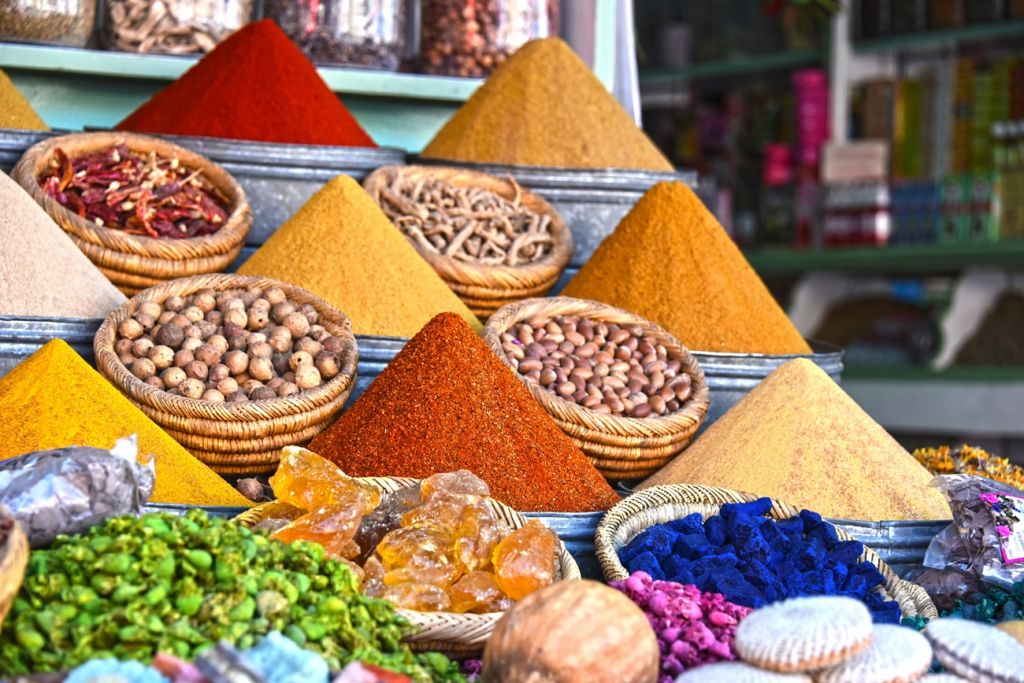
x=54, y=399
x=15, y=111
x=799, y=438
x=342, y=247
x=670, y=261
x=545, y=107
x=42, y=271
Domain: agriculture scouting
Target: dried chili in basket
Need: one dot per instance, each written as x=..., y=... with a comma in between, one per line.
x=140, y=194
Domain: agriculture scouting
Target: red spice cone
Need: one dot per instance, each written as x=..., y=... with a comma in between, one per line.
x=446, y=402
x=256, y=85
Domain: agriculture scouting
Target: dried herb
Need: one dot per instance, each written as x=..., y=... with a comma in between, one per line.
x=466, y=223
x=970, y=460
x=137, y=194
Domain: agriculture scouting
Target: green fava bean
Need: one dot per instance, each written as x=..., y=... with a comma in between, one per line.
x=30, y=639
x=125, y=592
x=155, y=595
x=188, y=604
x=243, y=611
x=200, y=559
x=116, y=563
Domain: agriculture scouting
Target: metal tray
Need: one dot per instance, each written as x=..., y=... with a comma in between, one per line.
x=591, y=201
x=20, y=337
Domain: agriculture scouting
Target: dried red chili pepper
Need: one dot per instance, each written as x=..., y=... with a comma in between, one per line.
x=134, y=193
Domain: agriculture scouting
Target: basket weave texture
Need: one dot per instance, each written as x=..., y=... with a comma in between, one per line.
x=660, y=504
x=620, y=447
x=456, y=635
x=13, y=560
x=135, y=262
x=485, y=288
x=234, y=438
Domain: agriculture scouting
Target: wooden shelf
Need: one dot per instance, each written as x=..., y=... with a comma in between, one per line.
x=923, y=258
x=735, y=66
x=940, y=37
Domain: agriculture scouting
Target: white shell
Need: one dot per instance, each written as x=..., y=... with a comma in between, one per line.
x=978, y=652
x=897, y=654
x=737, y=672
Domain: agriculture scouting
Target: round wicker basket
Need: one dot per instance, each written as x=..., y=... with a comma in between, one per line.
x=13, y=560
x=620, y=447
x=234, y=438
x=457, y=635
x=660, y=504
x=485, y=288
x=134, y=262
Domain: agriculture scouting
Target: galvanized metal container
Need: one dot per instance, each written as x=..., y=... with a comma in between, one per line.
x=14, y=142
x=374, y=355
x=591, y=201
x=20, y=337
x=731, y=376
x=902, y=544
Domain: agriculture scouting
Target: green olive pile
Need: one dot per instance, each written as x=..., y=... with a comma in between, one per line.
x=138, y=585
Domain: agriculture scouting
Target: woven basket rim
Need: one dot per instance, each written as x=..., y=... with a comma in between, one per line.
x=532, y=274
x=692, y=413
x=568, y=568
x=230, y=235
x=672, y=496
x=115, y=371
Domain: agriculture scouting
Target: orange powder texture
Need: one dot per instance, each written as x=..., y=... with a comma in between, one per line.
x=342, y=247
x=54, y=399
x=544, y=107
x=669, y=260
x=799, y=438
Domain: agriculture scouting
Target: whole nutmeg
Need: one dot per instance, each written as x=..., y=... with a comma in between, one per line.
x=260, y=350
x=261, y=369
x=318, y=333
x=333, y=344
x=174, y=303
x=215, y=317
x=143, y=368
x=251, y=488
x=213, y=396
x=218, y=342
x=257, y=338
x=242, y=378
x=208, y=354
x=123, y=346
x=231, y=304
x=238, y=343
x=327, y=363
x=248, y=385
x=130, y=329
x=206, y=329
x=141, y=346
x=198, y=370
x=181, y=321
x=309, y=345
x=183, y=358
x=238, y=397
x=299, y=359
x=191, y=344
x=250, y=295
x=280, y=362
x=275, y=383
x=230, y=330
x=237, y=361
x=227, y=386
x=162, y=356
x=155, y=382
x=288, y=389
x=312, y=315
x=280, y=339
x=151, y=308
x=170, y=335
x=274, y=295
x=205, y=301
x=165, y=317
x=193, y=313
x=307, y=377
x=281, y=310
x=258, y=318
x=147, y=321
x=193, y=332
x=236, y=317
x=262, y=394
x=172, y=377
x=288, y=376
x=218, y=372
x=297, y=324
x=191, y=388
x=126, y=359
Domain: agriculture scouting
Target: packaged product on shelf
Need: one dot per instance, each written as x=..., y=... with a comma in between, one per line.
x=369, y=34
x=60, y=22
x=469, y=38
x=172, y=26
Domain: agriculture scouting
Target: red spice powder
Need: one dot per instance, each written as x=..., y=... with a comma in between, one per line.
x=256, y=85
x=446, y=403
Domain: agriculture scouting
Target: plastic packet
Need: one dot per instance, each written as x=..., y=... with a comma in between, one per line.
x=946, y=587
x=69, y=490
x=986, y=538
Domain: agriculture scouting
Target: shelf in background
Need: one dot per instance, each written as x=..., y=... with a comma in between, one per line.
x=365, y=82
x=940, y=37
x=914, y=375
x=922, y=258
x=734, y=66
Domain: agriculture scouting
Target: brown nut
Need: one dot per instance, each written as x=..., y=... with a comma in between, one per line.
x=260, y=350
x=218, y=342
x=191, y=344
x=213, y=396
x=261, y=369
x=235, y=316
x=262, y=394
x=183, y=358
x=327, y=363
x=143, y=368
x=191, y=388
x=218, y=372
x=281, y=310
x=142, y=346
x=298, y=359
x=208, y=354
x=297, y=323
x=237, y=361
x=173, y=376
x=288, y=389
x=307, y=377
x=170, y=335
x=162, y=356
x=333, y=344
x=227, y=386
x=156, y=383
x=309, y=345
x=150, y=308
x=197, y=369
x=130, y=329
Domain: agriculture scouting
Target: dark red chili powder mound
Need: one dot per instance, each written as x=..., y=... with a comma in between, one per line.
x=446, y=403
x=256, y=85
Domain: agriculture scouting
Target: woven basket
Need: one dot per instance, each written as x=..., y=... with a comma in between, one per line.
x=135, y=262
x=485, y=289
x=620, y=447
x=234, y=438
x=13, y=559
x=660, y=504
x=456, y=635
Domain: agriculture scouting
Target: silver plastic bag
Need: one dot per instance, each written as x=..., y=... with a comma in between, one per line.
x=69, y=490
